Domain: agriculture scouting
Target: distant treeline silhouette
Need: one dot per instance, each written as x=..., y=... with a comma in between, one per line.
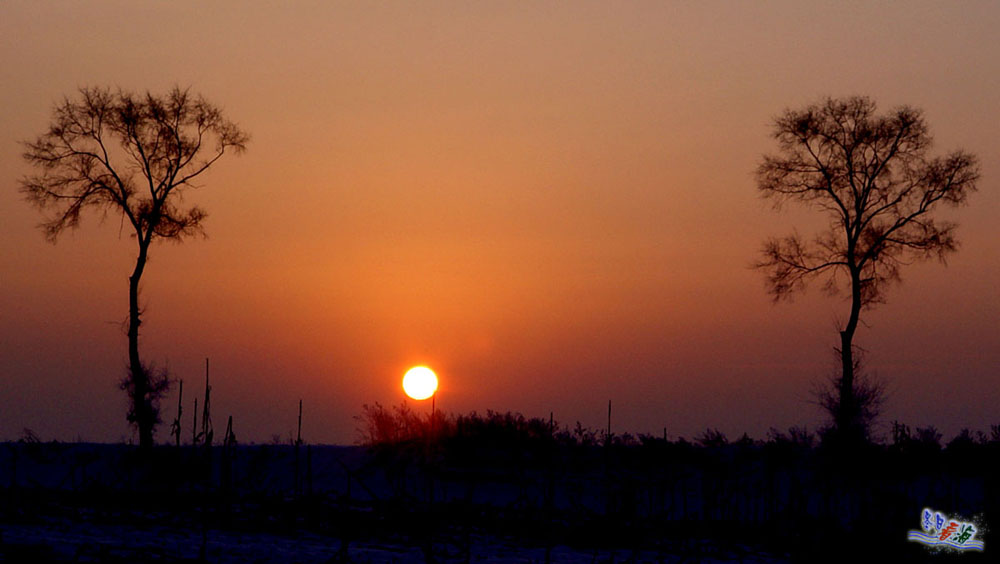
x=794, y=491
x=442, y=480
x=379, y=426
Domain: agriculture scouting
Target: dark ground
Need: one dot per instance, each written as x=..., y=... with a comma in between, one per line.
x=496, y=499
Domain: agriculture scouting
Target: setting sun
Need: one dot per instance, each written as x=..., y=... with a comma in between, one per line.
x=420, y=382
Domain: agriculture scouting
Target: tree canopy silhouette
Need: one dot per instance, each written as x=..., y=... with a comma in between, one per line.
x=871, y=175
x=133, y=155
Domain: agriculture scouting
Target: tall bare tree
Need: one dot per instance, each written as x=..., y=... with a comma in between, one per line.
x=135, y=156
x=872, y=177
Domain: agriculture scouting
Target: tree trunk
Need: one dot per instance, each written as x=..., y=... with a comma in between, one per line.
x=141, y=407
x=844, y=412
x=847, y=416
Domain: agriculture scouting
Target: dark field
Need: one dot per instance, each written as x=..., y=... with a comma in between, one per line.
x=502, y=491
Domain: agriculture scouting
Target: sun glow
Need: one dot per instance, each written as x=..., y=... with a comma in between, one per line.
x=420, y=382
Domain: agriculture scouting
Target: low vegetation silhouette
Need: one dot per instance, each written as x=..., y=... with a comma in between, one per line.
x=450, y=485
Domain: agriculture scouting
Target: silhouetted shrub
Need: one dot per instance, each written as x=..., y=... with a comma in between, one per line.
x=712, y=438
x=928, y=438
x=379, y=425
x=962, y=441
x=796, y=437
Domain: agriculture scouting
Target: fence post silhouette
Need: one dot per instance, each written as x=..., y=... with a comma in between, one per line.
x=608, y=437
x=206, y=412
x=194, y=424
x=177, y=422
x=298, y=444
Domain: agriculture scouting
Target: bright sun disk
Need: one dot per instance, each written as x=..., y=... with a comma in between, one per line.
x=420, y=382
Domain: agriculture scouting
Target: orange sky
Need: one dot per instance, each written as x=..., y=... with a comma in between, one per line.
x=551, y=204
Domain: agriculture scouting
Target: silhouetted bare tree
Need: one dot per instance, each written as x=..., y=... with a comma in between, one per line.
x=871, y=175
x=133, y=155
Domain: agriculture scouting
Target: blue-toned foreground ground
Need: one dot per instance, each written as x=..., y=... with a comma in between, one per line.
x=474, y=502
x=89, y=542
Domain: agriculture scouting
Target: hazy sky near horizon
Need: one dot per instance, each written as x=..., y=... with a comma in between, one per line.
x=551, y=204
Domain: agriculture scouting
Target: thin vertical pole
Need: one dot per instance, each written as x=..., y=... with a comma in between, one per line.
x=298, y=437
x=180, y=398
x=194, y=424
x=206, y=408
x=298, y=443
x=609, y=422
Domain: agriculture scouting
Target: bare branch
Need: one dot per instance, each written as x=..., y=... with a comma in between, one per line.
x=790, y=263
x=870, y=175
x=161, y=140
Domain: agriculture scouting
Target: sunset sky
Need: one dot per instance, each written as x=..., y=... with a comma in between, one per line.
x=551, y=204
